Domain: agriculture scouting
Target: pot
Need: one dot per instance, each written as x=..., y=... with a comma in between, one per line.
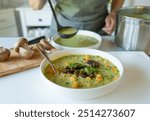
x=133, y=28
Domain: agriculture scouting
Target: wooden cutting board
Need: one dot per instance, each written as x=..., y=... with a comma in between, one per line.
x=17, y=64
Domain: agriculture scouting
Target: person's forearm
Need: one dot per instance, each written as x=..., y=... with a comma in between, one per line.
x=116, y=4
x=37, y=4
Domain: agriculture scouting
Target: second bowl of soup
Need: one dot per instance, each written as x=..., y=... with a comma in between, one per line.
x=83, y=39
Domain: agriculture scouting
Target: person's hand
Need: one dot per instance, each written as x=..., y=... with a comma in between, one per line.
x=37, y=4
x=110, y=23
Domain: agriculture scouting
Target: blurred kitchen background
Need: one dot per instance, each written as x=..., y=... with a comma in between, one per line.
x=17, y=19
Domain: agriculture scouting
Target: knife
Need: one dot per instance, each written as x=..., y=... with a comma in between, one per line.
x=36, y=40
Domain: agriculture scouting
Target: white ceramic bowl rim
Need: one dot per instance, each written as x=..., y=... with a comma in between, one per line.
x=80, y=32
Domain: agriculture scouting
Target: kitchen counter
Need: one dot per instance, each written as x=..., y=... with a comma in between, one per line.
x=107, y=43
x=27, y=87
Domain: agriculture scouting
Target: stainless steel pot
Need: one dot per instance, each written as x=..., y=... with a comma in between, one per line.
x=133, y=33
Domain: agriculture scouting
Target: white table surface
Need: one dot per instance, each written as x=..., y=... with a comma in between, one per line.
x=27, y=87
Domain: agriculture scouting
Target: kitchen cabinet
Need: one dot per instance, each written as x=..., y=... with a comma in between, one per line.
x=33, y=23
x=8, y=25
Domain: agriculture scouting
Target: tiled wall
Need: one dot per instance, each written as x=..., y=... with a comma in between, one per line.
x=137, y=2
x=142, y=2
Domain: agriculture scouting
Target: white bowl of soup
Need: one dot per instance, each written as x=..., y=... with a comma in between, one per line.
x=82, y=73
x=83, y=39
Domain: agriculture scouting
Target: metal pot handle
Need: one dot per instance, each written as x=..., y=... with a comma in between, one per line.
x=147, y=22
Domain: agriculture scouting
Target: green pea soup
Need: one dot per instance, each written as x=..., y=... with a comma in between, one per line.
x=77, y=41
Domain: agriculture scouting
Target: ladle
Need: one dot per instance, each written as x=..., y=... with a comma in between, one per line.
x=63, y=30
x=43, y=52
